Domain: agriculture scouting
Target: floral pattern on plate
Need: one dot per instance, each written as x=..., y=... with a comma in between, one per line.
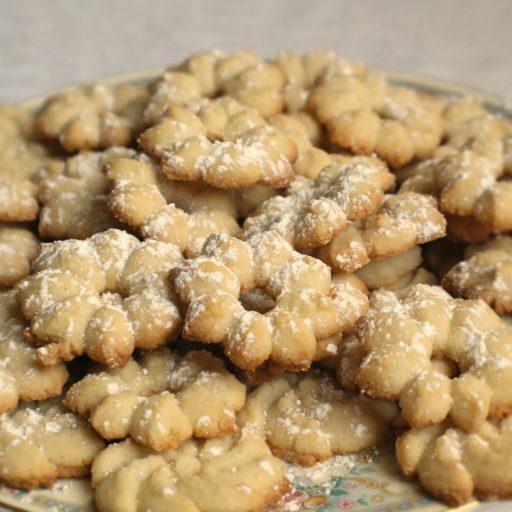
x=368, y=482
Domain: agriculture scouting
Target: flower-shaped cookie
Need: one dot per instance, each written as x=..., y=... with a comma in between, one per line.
x=242, y=75
x=309, y=306
x=470, y=172
x=401, y=222
x=172, y=88
x=365, y=115
x=219, y=475
x=15, y=122
x=306, y=418
x=22, y=376
x=314, y=211
x=485, y=274
x=351, y=298
x=40, y=444
x=142, y=198
x=18, y=248
x=453, y=465
x=253, y=82
x=92, y=116
x=20, y=158
x=304, y=70
x=74, y=201
x=401, y=333
x=221, y=143
x=467, y=179
x=162, y=400
x=18, y=200
x=104, y=296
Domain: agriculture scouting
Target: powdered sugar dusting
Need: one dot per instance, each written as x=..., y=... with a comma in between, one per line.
x=343, y=191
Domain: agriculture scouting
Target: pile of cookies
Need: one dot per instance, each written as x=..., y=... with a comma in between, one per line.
x=247, y=261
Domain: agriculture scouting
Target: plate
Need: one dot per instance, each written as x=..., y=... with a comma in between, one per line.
x=492, y=102
x=366, y=482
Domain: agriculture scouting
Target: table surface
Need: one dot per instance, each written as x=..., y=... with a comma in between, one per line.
x=50, y=44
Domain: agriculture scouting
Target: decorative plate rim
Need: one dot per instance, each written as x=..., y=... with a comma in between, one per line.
x=437, y=85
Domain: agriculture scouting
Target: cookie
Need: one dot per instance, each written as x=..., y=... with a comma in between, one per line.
x=18, y=200
x=243, y=75
x=351, y=354
x=39, y=444
x=485, y=273
x=218, y=475
x=389, y=272
x=309, y=305
x=351, y=297
x=141, y=198
x=471, y=171
x=202, y=66
x=401, y=222
x=365, y=115
x=103, y=296
x=20, y=157
x=18, y=248
x=314, y=212
x=94, y=116
x=401, y=333
x=307, y=419
x=15, y=122
x=221, y=143
x=74, y=201
x=453, y=465
x=161, y=401
x=304, y=70
x=172, y=88
x=22, y=377
x=310, y=159
x=466, y=229
x=467, y=179
x=259, y=86
x=421, y=177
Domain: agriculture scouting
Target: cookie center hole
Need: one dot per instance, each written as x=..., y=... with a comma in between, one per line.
x=257, y=300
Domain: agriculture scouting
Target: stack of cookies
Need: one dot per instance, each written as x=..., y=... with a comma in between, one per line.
x=251, y=261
